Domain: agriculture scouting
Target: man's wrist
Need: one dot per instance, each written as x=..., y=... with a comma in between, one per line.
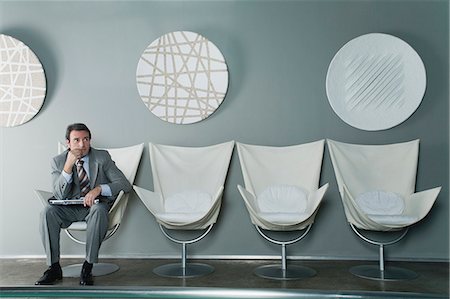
x=67, y=176
x=99, y=189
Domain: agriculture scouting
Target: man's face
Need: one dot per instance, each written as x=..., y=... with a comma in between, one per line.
x=79, y=143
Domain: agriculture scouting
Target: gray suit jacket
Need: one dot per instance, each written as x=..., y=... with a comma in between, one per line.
x=102, y=170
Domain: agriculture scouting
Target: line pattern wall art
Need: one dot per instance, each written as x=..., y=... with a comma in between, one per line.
x=182, y=77
x=375, y=82
x=22, y=82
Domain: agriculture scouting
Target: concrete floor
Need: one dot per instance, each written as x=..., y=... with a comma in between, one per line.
x=136, y=279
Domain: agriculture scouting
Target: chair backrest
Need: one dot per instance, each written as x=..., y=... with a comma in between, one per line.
x=363, y=168
x=127, y=160
x=178, y=169
x=298, y=165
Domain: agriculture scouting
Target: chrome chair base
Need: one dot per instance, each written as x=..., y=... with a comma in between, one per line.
x=176, y=270
x=98, y=269
x=389, y=273
x=292, y=272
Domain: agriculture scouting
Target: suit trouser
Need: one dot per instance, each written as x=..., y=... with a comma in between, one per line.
x=55, y=217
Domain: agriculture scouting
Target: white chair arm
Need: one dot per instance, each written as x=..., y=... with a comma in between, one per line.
x=420, y=203
x=43, y=196
x=152, y=201
x=218, y=194
x=315, y=198
x=116, y=202
x=249, y=199
x=214, y=208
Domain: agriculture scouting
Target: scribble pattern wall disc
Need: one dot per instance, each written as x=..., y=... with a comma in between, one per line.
x=375, y=82
x=182, y=77
x=22, y=82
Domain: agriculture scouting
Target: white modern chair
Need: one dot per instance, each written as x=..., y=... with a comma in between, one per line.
x=127, y=160
x=377, y=188
x=188, y=185
x=281, y=194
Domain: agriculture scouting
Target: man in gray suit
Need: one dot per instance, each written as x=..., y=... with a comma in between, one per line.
x=80, y=171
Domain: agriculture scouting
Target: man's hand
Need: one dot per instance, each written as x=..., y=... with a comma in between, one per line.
x=72, y=156
x=91, y=196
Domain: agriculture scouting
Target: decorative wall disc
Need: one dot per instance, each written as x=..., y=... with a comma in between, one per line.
x=375, y=82
x=22, y=82
x=182, y=77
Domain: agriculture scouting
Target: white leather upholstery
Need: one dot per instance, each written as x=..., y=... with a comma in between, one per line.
x=281, y=184
x=377, y=184
x=188, y=184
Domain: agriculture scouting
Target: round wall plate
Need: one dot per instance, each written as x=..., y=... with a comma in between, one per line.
x=22, y=82
x=182, y=77
x=375, y=82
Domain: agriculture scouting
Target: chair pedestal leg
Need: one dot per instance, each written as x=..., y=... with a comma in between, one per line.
x=283, y=258
x=183, y=259
x=184, y=269
x=98, y=269
x=382, y=272
x=283, y=272
x=381, y=258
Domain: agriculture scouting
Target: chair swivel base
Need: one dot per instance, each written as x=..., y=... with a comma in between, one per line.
x=389, y=273
x=98, y=269
x=177, y=271
x=292, y=272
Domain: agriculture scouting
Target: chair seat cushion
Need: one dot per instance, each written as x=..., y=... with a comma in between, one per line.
x=188, y=202
x=182, y=218
x=393, y=219
x=283, y=199
x=381, y=203
x=79, y=225
x=284, y=218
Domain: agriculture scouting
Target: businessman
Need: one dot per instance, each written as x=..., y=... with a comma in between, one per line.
x=80, y=172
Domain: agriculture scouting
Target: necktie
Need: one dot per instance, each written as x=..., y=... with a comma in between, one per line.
x=83, y=178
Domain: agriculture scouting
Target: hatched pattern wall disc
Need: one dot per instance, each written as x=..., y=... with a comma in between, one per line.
x=182, y=77
x=22, y=82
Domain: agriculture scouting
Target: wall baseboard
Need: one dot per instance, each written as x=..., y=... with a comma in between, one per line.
x=231, y=257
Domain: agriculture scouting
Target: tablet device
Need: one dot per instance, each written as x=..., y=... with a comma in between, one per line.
x=68, y=201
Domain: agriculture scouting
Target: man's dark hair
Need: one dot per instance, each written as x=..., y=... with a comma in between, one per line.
x=77, y=127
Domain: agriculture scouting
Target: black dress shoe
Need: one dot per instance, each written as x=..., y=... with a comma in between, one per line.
x=86, y=278
x=52, y=274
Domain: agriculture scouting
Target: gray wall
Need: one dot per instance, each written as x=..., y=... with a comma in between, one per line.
x=277, y=53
